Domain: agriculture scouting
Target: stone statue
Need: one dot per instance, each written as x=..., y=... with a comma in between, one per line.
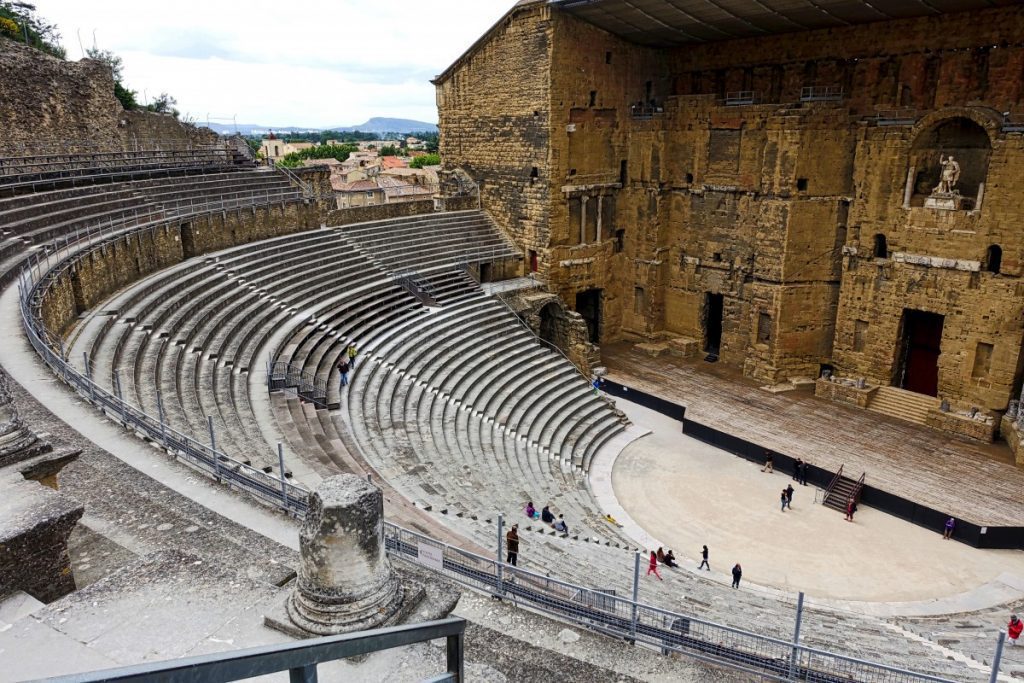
x=949, y=176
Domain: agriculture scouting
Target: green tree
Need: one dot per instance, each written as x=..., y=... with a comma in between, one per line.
x=426, y=160
x=30, y=28
x=389, y=151
x=339, y=152
x=164, y=104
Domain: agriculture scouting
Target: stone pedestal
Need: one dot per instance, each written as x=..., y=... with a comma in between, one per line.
x=346, y=582
x=944, y=201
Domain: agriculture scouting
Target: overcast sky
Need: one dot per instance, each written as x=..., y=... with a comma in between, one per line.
x=299, y=63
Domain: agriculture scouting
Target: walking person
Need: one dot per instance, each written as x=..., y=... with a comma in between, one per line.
x=768, y=460
x=737, y=574
x=653, y=566
x=783, y=500
x=948, y=529
x=343, y=371
x=512, y=544
x=1014, y=628
x=797, y=469
x=789, y=496
x=353, y=351
x=851, y=507
x=704, y=561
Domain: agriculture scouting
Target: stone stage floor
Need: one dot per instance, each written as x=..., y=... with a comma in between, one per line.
x=977, y=482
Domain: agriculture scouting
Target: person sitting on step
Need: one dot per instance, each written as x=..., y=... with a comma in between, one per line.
x=560, y=526
x=546, y=516
x=530, y=511
x=670, y=559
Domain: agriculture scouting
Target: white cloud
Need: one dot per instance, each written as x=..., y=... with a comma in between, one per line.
x=302, y=63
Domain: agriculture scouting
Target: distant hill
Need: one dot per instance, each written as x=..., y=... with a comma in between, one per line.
x=377, y=124
x=385, y=125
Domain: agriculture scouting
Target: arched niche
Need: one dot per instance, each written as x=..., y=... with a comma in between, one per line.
x=959, y=137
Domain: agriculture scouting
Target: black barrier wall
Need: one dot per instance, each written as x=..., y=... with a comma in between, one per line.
x=965, y=531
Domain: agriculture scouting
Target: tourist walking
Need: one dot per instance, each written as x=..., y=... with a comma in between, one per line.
x=789, y=496
x=737, y=574
x=353, y=351
x=783, y=500
x=704, y=559
x=343, y=371
x=768, y=460
x=851, y=507
x=512, y=544
x=1014, y=628
x=653, y=566
x=948, y=529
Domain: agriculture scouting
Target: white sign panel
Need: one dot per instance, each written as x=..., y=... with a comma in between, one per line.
x=431, y=556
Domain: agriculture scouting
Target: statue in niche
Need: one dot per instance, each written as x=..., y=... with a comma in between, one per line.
x=949, y=176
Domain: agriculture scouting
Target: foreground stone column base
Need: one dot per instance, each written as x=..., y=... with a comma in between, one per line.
x=345, y=581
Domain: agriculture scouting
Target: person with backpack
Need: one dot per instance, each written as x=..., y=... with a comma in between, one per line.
x=737, y=574
x=343, y=370
x=352, y=353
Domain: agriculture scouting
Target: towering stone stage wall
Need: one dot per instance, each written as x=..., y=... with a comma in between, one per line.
x=494, y=108
x=659, y=192
x=60, y=106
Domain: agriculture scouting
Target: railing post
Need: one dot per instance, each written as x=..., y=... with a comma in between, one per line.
x=795, y=656
x=160, y=415
x=456, y=657
x=305, y=674
x=636, y=594
x=284, y=484
x=500, y=565
x=88, y=375
x=998, y=658
x=213, y=447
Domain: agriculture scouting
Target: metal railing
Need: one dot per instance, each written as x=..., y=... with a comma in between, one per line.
x=740, y=98
x=283, y=375
x=821, y=93
x=307, y=190
x=42, y=271
x=300, y=658
x=832, y=484
x=620, y=617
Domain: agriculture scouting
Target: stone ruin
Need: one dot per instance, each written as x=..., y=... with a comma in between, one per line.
x=345, y=581
x=37, y=519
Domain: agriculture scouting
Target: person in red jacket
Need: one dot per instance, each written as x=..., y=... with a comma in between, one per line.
x=653, y=566
x=1014, y=628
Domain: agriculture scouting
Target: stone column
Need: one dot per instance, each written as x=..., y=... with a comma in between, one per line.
x=583, y=219
x=346, y=582
x=600, y=213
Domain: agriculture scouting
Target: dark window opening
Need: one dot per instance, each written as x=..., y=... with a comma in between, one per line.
x=622, y=172
x=714, y=307
x=588, y=305
x=607, y=57
x=994, y=259
x=764, y=328
x=881, y=248
x=533, y=261
x=620, y=241
x=648, y=92
x=689, y=178
x=572, y=171
x=536, y=114
x=593, y=98
x=533, y=172
x=716, y=257
x=801, y=184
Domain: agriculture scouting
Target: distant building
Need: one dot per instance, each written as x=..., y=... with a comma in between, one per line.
x=358, y=193
x=274, y=149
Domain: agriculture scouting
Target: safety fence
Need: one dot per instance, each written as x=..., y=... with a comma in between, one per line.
x=621, y=617
x=284, y=375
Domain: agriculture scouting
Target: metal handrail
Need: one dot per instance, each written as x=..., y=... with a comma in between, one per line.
x=860, y=485
x=300, y=658
x=307, y=189
x=832, y=484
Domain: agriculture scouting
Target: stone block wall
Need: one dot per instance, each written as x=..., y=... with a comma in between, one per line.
x=54, y=105
x=774, y=204
x=494, y=111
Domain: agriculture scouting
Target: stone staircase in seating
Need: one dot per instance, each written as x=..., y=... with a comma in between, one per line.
x=902, y=404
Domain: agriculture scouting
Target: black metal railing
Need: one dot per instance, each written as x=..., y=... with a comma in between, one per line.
x=300, y=659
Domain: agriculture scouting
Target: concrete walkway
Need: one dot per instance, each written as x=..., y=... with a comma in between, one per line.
x=671, y=490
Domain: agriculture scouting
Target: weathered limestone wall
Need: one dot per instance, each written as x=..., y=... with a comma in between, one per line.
x=660, y=192
x=47, y=102
x=494, y=110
